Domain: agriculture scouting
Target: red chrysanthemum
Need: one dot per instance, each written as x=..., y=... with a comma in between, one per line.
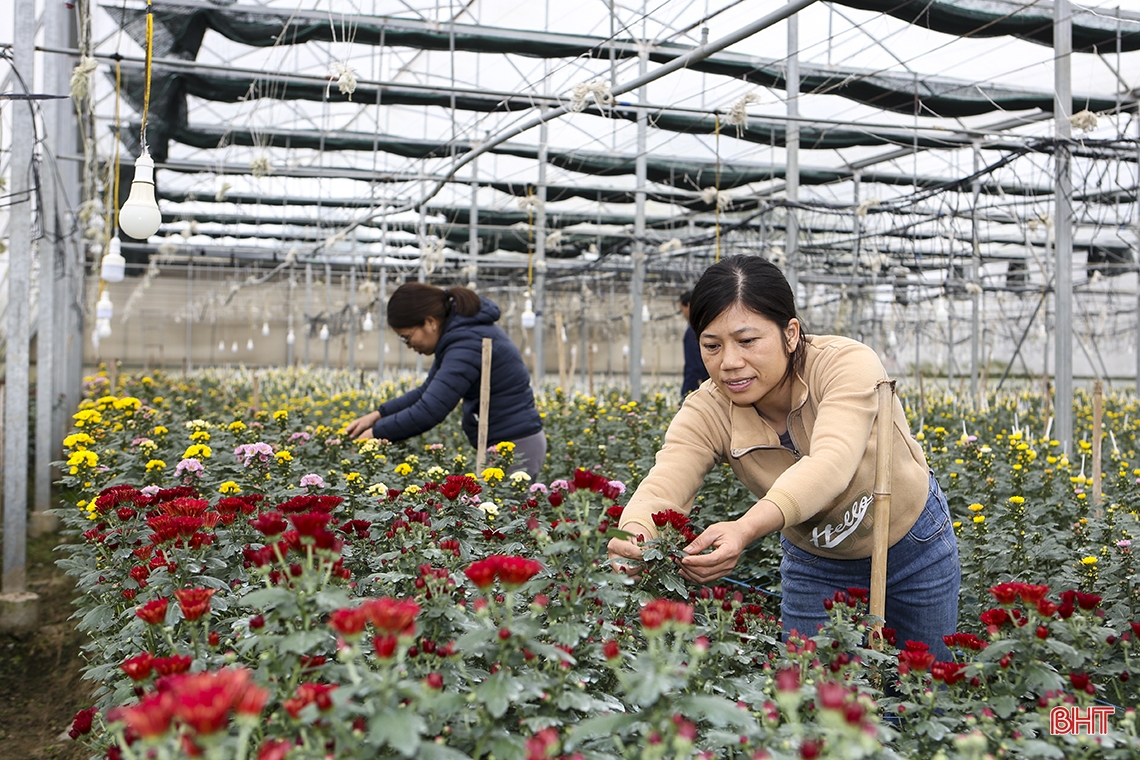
x=138, y=667
x=153, y=612
x=195, y=602
x=394, y=616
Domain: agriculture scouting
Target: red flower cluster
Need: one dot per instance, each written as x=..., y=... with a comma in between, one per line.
x=454, y=485
x=139, y=666
x=658, y=612
x=153, y=612
x=948, y=672
x=269, y=523
x=964, y=640
x=510, y=570
x=309, y=503
x=916, y=657
x=230, y=506
x=185, y=507
x=676, y=521
x=195, y=602
x=81, y=723
x=308, y=694
x=202, y=702
x=1009, y=593
x=109, y=498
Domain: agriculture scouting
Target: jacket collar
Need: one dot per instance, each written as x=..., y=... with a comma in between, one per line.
x=748, y=429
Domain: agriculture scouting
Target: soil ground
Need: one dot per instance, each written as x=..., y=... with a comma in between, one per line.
x=41, y=687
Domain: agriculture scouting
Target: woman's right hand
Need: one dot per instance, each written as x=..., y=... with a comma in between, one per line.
x=361, y=425
x=625, y=553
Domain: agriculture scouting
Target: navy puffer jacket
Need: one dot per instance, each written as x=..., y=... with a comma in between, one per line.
x=454, y=375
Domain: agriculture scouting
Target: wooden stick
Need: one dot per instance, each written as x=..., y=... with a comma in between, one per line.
x=884, y=440
x=256, y=393
x=590, y=367
x=1098, y=413
x=484, y=406
x=558, y=329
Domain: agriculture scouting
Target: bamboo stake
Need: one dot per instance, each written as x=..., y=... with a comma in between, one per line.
x=559, y=330
x=484, y=406
x=884, y=440
x=590, y=368
x=1098, y=414
x=256, y=393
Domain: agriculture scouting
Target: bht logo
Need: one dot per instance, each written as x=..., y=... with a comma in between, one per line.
x=1070, y=719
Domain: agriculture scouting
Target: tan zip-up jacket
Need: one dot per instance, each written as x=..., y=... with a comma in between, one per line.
x=824, y=488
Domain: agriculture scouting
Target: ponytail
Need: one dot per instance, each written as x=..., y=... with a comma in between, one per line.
x=414, y=302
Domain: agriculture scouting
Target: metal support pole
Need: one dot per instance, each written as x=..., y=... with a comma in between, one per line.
x=539, y=332
x=19, y=291
x=42, y=520
x=976, y=278
x=189, y=314
x=637, y=280
x=352, y=310
x=328, y=308
x=308, y=308
x=1063, y=219
x=473, y=230
x=382, y=317
x=290, y=285
x=792, y=146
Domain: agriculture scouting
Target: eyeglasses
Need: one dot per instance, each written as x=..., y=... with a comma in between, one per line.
x=406, y=338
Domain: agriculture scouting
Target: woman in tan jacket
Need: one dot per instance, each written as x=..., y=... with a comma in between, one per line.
x=794, y=417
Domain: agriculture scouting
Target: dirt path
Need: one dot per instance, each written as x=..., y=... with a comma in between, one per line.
x=40, y=684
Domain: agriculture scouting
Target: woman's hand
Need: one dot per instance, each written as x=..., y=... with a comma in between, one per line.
x=625, y=553
x=361, y=425
x=729, y=543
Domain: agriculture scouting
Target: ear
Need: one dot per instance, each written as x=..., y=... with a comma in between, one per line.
x=792, y=335
x=431, y=324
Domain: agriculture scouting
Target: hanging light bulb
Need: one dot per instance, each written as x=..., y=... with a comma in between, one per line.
x=104, y=309
x=529, y=319
x=114, y=266
x=367, y=325
x=221, y=345
x=265, y=330
x=644, y=312
x=387, y=348
x=103, y=328
x=140, y=217
x=249, y=345
x=233, y=348
x=291, y=337
x=324, y=332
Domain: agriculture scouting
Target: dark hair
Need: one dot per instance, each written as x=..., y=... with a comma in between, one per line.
x=755, y=284
x=685, y=297
x=414, y=302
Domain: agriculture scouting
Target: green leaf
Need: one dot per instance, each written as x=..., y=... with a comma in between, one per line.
x=266, y=598
x=433, y=751
x=717, y=710
x=497, y=693
x=302, y=642
x=98, y=618
x=1004, y=705
x=602, y=725
x=399, y=729
x=1042, y=749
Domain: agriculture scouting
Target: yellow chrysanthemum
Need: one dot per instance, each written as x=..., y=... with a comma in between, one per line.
x=83, y=458
x=403, y=468
x=1016, y=500
x=979, y=519
x=283, y=456
x=198, y=451
x=1089, y=560
x=494, y=474
x=159, y=430
x=128, y=403
x=975, y=507
x=237, y=426
x=504, y=446
x=77, y=441
x=200, y=435
x=281, y=414
x=229, y=487
x=87, y=417
x=353, y=477
x=412, y=489
x=155, y=464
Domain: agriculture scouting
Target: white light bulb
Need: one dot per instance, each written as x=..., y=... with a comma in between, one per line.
x=291, y=337
x=529, y=319
x=221, y=345
x=140, y=217
x=625, y=350
x=324, y=332
x=367, y=324
x=103, y=328
x=265, y=330
x=104, y=309
x=644, y=312
x=114, y=266
x=249, y=345
x=387, y=348
x=234, y=347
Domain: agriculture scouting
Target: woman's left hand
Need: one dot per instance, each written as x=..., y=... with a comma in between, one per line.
x=728, y=543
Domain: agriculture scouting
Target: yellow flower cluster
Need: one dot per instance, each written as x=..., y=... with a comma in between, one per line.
x=198, y=451
x=82, y=458
x=87, y=417
x=237, y=426
x=492, y=475
x=155, y=464
x=78, y=441
x=200, y=435
x=403, y=468
x=229, y=487
x=283, y=457
x=504, y=446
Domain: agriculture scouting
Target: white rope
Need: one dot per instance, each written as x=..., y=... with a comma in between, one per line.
x=722, y=199
x=862, y=209
x=221, y=194
x=260, y=166
x=345, y=77
x=596, y=89
x=738, y=115
x=670, y=246
x=554, y=239
x=1084, y=121
x=81, y=77
x=530, y=203
x=431, y=255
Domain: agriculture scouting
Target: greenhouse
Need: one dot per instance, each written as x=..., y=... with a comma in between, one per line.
x=245, y=519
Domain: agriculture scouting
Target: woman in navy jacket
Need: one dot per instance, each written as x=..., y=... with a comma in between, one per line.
x=451, y=324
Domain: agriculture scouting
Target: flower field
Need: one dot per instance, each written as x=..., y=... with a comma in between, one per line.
x=255, y=586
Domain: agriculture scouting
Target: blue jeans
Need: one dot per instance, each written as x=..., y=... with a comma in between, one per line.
x=923, y=577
